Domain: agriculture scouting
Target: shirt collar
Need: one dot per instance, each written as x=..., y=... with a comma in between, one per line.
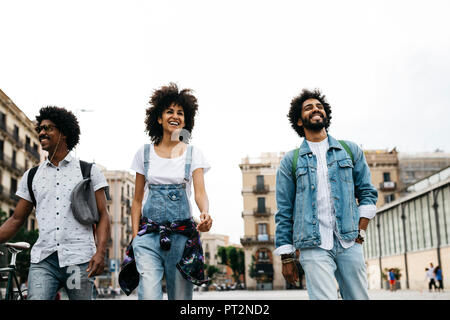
x=66, y=160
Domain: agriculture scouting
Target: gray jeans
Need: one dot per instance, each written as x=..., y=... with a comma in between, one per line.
x=47, y=277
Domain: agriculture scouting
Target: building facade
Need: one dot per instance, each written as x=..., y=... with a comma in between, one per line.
x=119, y=199
x=409, y=234
x=20, y=150
x=384, y=169
x=258, y=192
x=211, y=243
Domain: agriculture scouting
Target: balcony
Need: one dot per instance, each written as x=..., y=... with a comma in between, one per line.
x=33, y=152
x=388, y=186
x=11, y=164
x=11, y=134
x=8, y=196
x=255, y=240
x=262, y=212
x=261, y=189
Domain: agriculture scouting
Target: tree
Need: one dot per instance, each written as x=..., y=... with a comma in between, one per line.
x=23, y=258
x=234, y=258
x=211, y=270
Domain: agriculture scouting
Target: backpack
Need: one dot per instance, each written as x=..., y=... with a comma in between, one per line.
x=296, y=151
x=82, y=198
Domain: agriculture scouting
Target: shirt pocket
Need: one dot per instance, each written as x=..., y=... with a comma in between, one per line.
x=345, y=168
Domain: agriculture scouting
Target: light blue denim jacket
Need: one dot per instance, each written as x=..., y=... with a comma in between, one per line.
x=296, y=220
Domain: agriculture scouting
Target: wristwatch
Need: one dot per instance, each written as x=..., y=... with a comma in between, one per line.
x=361, y=234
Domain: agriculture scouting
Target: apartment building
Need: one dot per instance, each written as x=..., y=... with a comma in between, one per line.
x=384, y=169
x=120, y=197
x=258, y=192
x=210, y=244
x=19, y=150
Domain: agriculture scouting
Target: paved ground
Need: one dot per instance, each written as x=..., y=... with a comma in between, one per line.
x=303, y=295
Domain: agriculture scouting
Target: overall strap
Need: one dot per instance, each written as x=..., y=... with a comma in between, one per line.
x=146, y=160
x=187, y=166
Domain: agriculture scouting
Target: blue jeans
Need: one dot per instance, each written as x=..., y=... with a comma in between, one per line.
x=47, y=277
x=153, y=263
x=346, y=266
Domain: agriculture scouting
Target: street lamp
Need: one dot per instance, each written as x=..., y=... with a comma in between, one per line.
x=406, y=245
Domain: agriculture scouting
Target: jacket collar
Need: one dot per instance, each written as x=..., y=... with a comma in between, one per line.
x=332, y=142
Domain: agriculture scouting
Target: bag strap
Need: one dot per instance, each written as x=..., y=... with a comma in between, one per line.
x=345, y=146
x=294, y=163
x=31, y=175
x=85, y=169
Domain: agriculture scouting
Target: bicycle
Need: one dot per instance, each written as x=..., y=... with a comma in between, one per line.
x=11, y=294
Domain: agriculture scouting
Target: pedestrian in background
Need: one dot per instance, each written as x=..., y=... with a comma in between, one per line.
x=431, y=277
x=392, y=279
x=438, y=277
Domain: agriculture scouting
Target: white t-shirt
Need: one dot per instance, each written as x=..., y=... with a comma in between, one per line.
x=168, y=171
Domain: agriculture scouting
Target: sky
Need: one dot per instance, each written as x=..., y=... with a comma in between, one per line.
x=383, y=66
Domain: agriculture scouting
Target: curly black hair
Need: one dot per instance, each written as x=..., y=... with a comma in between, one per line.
x=64, y=120
x=162, y=99
x=296, y=109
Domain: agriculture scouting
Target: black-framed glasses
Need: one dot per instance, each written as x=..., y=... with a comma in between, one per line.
x=45, y=127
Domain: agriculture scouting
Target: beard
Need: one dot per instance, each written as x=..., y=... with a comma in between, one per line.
x=314, y=126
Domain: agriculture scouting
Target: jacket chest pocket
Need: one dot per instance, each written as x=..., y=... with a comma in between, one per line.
x=345, y=168
x=301, y=178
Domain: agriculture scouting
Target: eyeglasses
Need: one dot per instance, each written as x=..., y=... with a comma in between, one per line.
x=45, y=127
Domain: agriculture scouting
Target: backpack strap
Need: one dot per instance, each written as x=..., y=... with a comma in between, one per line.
x=345, y=146
x=85, y=169
x=31, y=175
x=294, y=164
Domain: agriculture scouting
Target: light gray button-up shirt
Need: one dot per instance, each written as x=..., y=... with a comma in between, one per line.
x=58, y=229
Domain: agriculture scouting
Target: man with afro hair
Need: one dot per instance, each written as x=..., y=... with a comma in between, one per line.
x=325, y=200
x=66, y=254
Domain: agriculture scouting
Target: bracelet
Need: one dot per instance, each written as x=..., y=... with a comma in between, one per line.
x=286, y=261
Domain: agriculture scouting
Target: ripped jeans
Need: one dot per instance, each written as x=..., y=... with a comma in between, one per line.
x=47, y=277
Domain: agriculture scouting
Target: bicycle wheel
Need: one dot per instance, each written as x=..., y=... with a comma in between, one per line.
x=16, y=295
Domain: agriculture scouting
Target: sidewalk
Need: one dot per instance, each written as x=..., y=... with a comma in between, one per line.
x=303, y=295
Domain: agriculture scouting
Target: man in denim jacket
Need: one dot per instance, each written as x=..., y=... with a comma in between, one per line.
x=325, y=207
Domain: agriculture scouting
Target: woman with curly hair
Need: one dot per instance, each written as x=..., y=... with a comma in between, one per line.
x=165, y=237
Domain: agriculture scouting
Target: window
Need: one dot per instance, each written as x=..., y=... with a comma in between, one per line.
x=261, y=204
x=27, y=141
x=386, y=176
x=259, y=183
x=1, y=149
x=262, y=228
x=13, y=186
x=3, y=120
x=389, y=198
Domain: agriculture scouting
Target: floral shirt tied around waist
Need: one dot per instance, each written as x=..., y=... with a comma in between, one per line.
x=191, y=265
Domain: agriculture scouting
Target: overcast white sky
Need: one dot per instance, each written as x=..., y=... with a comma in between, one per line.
x=383, y=65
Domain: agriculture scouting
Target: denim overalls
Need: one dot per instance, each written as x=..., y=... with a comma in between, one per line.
x=165, y=202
